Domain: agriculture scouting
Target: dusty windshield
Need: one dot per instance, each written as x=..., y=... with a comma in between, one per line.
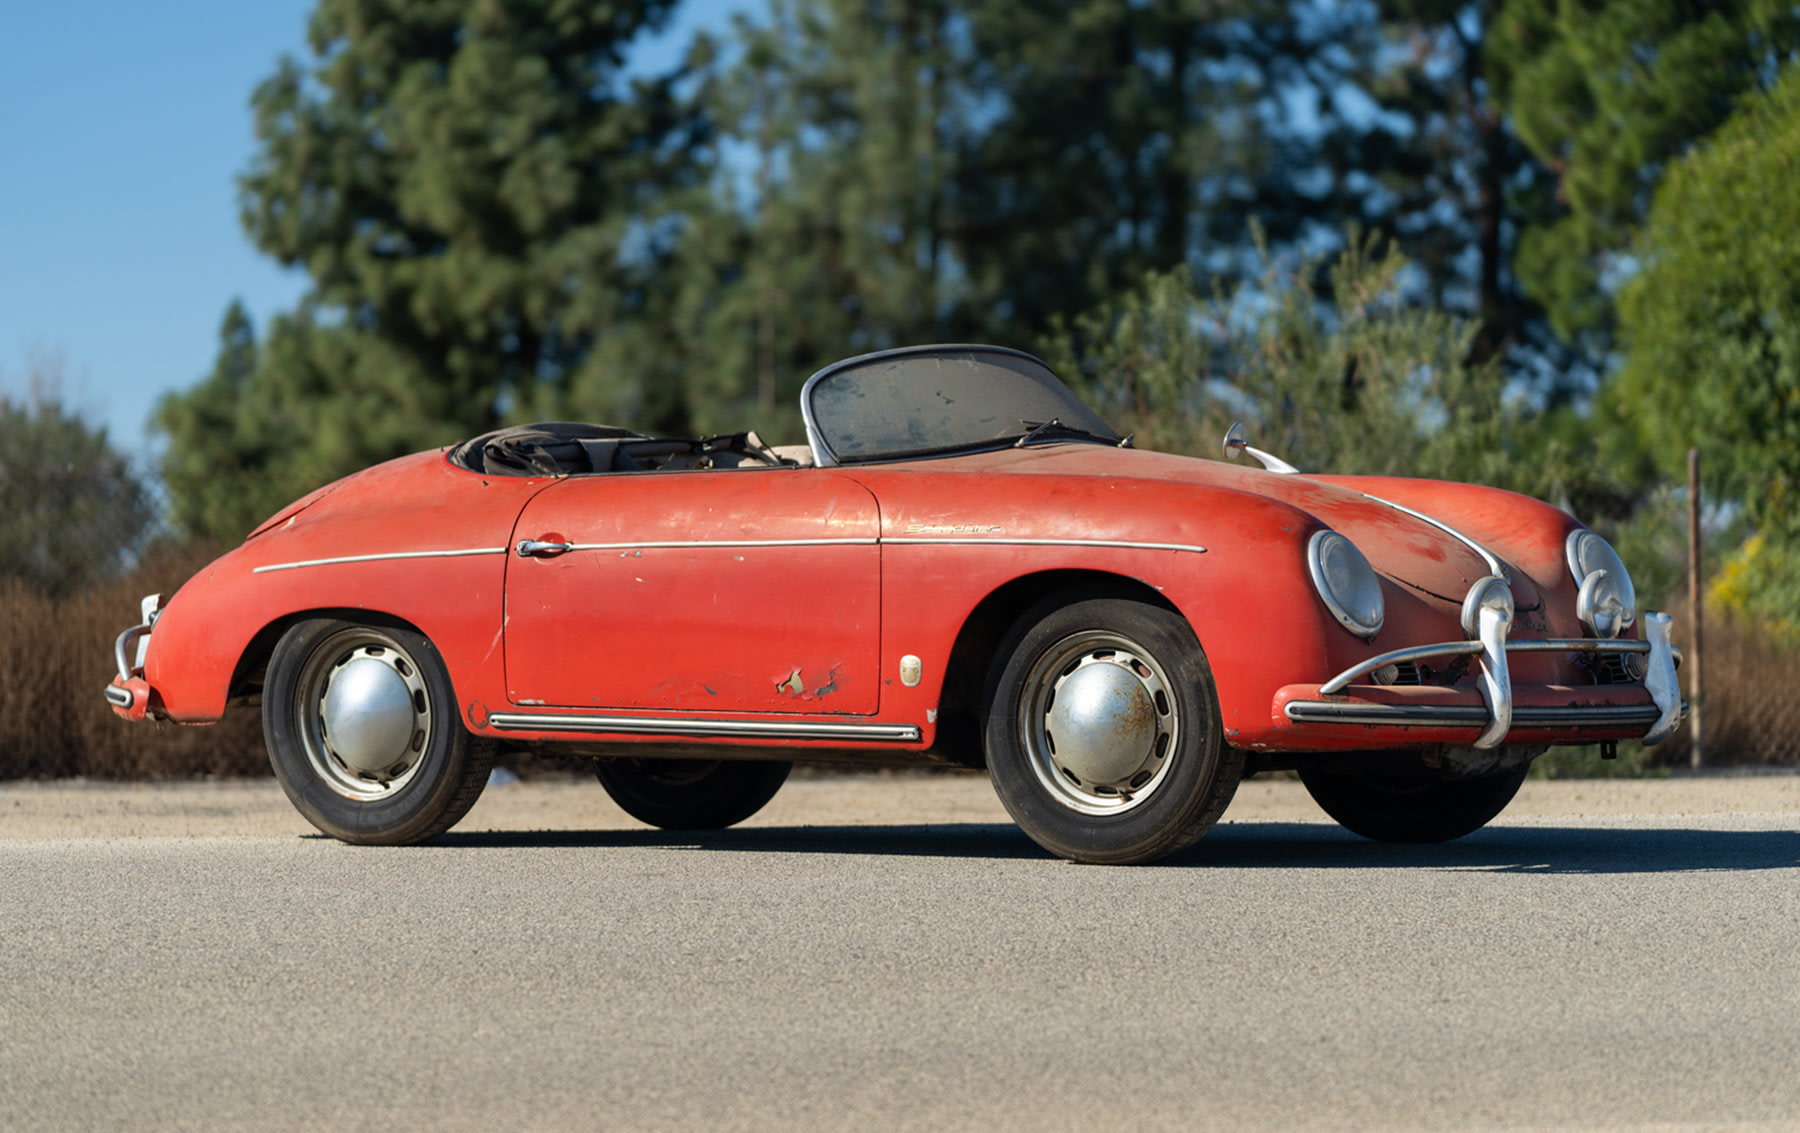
x=913, y=402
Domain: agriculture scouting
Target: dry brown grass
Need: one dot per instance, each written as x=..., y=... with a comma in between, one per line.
x=56, y=656
x=1752, y=705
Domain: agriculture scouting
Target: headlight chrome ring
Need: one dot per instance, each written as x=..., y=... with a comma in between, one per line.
x=1346, y=583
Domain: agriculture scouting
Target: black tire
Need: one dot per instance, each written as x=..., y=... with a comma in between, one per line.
x=1147, y=736
x=1398, y=809
x=438, y=769
x=691, y=794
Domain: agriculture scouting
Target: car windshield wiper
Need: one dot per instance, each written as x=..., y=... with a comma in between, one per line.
x=1040, y=429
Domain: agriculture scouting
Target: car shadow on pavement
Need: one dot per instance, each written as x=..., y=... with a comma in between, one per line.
x=1501, y=849
x=1241, y=845
x=949, y=840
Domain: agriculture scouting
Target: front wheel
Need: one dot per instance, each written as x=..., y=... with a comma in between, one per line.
x=363, y=733
x=1103, y=734
x=1396, y=809
x=691, y=794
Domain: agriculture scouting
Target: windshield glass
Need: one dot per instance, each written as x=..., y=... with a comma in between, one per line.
x=911, y=402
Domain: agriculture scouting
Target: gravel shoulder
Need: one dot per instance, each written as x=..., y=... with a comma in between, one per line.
x=257, y=808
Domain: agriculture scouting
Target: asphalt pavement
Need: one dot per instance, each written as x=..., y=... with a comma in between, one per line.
x=930, y=971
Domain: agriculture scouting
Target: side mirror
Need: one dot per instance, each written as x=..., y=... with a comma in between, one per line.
x=1237, y=442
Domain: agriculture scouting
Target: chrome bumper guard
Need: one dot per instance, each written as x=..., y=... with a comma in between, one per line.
x=1498, y=716
x=122, y=648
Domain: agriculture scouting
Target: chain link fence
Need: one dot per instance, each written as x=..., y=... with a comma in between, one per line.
x=1750, y=707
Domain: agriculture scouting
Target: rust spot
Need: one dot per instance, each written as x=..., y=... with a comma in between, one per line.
x=830, y=685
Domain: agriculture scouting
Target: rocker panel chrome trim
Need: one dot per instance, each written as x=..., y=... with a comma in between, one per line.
x=748, y=729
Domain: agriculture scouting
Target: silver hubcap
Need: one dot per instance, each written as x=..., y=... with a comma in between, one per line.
x=365, y=717
x=1099, y=722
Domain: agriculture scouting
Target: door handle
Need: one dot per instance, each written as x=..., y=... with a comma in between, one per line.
x=533, y=548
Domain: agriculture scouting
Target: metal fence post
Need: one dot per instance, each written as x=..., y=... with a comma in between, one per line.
x=1697, y=746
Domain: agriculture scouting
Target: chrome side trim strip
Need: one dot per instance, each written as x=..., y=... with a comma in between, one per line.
x=1003, y=541
x=1487, y=556
x=680, y=544
x=742, y=729
x=379, y=557
x=726, y=544
x=1471, y=716
x=1453, y=648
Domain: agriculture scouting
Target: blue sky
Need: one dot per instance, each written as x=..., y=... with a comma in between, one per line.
x=122, y=128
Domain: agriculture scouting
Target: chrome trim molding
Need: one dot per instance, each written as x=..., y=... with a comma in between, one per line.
x=116, y=696
x=742, y=729
x=379, y=557
x=1004, y=541
x=727, y=544
x=683, y=544
x=122, y=647
x=1470, y=716
x=1487, y=556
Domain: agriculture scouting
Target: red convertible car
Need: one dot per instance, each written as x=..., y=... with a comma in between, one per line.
x=963, y=565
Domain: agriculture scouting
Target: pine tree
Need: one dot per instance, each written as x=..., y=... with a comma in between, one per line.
x=476, y=194
x=1606, y=93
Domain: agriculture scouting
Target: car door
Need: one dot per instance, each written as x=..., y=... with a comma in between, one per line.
x=744, y=590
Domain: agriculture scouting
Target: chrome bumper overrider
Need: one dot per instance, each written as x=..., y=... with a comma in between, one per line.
x=1497, y=715
x=122, y=649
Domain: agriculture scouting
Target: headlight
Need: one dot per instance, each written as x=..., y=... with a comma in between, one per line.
x=1346, y=582
x=1607, y=605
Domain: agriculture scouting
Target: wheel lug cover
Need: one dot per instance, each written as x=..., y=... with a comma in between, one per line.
x=368, y=715
x=1103, y=724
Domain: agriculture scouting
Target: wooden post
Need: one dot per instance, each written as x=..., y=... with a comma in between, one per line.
x=1698, y=748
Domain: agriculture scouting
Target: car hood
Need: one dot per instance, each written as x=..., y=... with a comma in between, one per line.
x=1402, y=546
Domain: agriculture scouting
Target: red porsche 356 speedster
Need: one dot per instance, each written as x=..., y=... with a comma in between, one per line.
x=963, y=565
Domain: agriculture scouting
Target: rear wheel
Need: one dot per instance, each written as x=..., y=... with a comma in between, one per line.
x=1103, y=735
x=363, y=733
x=691, y=794
x=1397, y=809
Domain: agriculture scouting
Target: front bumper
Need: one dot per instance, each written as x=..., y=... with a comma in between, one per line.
x=1496, y=711
x=129, y=692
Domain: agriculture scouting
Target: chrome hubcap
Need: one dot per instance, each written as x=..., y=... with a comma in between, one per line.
x=365, y=714
x=1099, y=721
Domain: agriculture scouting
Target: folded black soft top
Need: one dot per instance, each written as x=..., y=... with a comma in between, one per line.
x=571, y=448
